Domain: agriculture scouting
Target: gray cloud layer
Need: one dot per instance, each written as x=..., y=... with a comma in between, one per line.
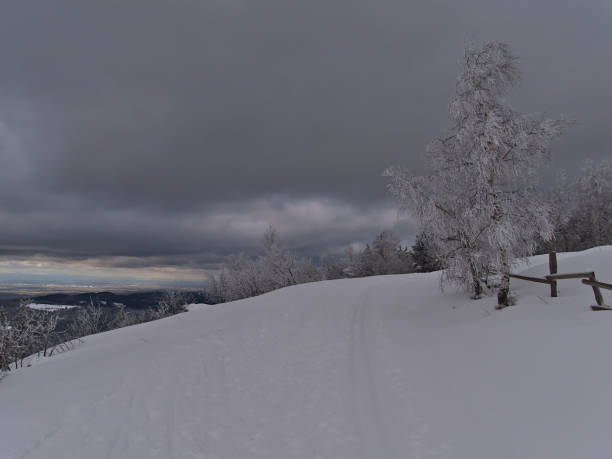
x=173, y=131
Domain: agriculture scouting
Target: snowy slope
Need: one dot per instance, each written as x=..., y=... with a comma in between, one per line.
x=383, y=367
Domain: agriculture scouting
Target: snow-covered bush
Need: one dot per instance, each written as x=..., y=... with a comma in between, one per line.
x=171, y=302
x=479, y=206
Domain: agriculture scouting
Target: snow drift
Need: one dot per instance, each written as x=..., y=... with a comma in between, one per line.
x=382, y=367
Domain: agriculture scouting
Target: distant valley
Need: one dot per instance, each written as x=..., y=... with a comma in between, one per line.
x=134, y=301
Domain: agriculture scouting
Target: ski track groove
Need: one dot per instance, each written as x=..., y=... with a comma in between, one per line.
x=171, y=415
x=369, y=423
x=122, y=429
x=40, y=442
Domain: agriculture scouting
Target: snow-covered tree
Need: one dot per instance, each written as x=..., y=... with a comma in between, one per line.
x=30, y=331
x=25, y=326
x=121, y=318
x=349, y=265
x=562, y=206
x=479, y=204
x=90, y=319
x=278, y=264
x=240, y=278
x=244, y=277
x=7, y=342
x=582, y=209
x=424, y=258
x=45, y=333
x=384, y=255
x=170, y=303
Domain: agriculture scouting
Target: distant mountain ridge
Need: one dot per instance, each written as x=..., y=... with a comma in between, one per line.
x=139, y=300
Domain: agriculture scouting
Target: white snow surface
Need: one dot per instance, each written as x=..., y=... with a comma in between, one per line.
x=50, y=307
x=374, y=368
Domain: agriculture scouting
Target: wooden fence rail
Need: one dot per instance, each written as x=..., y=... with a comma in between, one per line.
x=531, y=279
x=597, y=284
x=571, y=276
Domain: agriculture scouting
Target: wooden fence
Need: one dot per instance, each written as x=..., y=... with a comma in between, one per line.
x=588, y=278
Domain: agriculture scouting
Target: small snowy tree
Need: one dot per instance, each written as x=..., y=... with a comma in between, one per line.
x=480, y=204
x=121, y=318
x=385, y=255
x=279, y=264
x=170, y=303
x=424, y=259
x=89, y=320
x=46, y=330
x=7, y=343
x=244, y=277
x=392, y=257
x=25, y=327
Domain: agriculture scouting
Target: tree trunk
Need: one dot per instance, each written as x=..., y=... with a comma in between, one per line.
x=476, y=286
x=503, y=294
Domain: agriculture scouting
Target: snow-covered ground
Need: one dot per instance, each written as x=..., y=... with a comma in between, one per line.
x=50, y=307
x=375, y=368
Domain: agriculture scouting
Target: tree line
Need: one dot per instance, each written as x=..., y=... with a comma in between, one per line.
x=581, y=209
x=278, y=266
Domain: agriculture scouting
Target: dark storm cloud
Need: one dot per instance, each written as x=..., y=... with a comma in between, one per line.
x=174, y=131
x=125, y=238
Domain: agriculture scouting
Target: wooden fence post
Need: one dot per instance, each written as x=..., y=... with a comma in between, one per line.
x=553, y=289
x=552, y=264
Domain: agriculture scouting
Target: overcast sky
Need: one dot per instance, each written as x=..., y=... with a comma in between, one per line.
x=157, y=136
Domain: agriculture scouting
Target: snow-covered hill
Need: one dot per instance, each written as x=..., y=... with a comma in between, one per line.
x=375, y=368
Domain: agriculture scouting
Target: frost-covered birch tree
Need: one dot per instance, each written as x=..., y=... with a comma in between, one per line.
x=479, y=207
